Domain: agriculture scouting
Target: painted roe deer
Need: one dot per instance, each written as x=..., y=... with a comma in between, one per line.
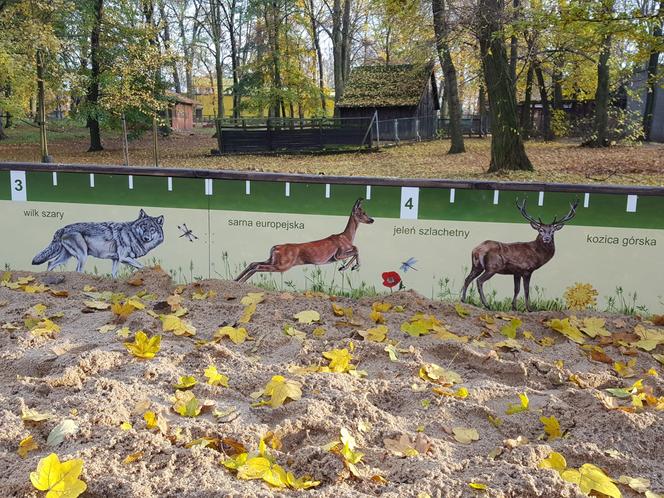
x=520, y=259
x=318, y=252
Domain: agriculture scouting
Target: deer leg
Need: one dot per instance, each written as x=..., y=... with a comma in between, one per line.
x=517, y=288
x=272, y=264
x=247, y=272
x=351, y=253
x=474, y=273
x=480, y=286
x=526, y=290
x=347, y=263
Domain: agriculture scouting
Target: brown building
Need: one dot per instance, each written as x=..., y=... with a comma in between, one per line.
x=181, y=112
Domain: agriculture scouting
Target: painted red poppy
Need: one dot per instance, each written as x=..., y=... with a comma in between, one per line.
x=391, y=279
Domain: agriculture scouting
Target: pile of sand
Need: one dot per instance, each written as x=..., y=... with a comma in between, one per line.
x=89, y=377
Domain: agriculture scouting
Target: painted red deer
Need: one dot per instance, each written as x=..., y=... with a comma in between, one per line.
x=519, y=259
x=336, y=247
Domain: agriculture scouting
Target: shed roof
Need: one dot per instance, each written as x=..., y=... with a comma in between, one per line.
x=386, y=85
x=181, y=99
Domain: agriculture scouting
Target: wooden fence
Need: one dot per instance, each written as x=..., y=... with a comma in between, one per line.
x=275, y=134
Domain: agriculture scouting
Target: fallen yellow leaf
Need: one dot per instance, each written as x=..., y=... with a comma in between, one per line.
x=59, y=479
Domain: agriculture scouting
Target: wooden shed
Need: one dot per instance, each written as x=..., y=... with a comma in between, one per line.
x=402, y=92
x=181, y=112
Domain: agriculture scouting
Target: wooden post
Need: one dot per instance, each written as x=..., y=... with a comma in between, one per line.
x=155, y=149
x=41, y=95
x=396, y=130
x=417, y=130
x=125, y=144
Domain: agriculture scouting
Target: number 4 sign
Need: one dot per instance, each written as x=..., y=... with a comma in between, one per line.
x=18, y=187
x=410, y=197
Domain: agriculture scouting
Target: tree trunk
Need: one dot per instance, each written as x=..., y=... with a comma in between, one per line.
x=279, y=109
x=235, y=69
x=167, y=47
x=232, y=27
x=336, y=51
x=340, y=45
x=215, y=20
x=41, y=107
x=481, y=104
x=557, y=77
x=526, y=116
x=443, y=102
x=651, y=84
x=450, y=76
x=546, y=106
x=93, y=86
x=8, y=116
x=600, y=136
x=189, y=79
x=346, y=39
x=3, y=135
x=319, y=56
x=507, y=150
x=219, y=74
x=514, y=47
x=387, y=45
x=187, y=52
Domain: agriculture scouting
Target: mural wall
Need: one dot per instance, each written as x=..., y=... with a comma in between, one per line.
x=429, y=239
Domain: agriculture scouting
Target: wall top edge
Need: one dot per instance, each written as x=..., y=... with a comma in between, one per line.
x=333, y=179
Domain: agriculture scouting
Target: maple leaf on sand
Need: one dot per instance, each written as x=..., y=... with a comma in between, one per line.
x=551, y=427
x=58, y=479
x=144, y=347
x=279, y=389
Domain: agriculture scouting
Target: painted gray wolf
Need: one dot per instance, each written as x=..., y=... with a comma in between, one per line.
x=121, y=242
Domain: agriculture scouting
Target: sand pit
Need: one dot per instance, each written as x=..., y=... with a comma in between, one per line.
x=86, y=375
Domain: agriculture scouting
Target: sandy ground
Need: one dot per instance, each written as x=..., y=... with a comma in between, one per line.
x=89, y=377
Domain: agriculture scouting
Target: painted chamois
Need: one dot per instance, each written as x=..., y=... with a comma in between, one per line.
x=336, y=247
x=519, y=259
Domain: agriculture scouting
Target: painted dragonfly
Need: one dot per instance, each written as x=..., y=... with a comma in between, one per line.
x=408, y=265
x=187, y=232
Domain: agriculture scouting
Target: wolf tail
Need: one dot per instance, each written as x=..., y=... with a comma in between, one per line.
x=51, y=250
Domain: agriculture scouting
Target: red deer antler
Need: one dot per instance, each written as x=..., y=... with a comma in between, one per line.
x=519, y=259
x=318, y=252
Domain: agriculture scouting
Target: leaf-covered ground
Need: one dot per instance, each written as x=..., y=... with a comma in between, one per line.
x=455, y=397
x=562, y=161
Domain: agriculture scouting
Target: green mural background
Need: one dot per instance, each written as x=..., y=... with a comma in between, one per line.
x=615, y=243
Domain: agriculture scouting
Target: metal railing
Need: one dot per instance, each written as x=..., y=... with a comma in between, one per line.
x=426, y=128
x=283, y=123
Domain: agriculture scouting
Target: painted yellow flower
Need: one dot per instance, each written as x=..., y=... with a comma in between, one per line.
x=580, y=296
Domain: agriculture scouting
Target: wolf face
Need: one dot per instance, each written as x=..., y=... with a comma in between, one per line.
x=149, y=229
